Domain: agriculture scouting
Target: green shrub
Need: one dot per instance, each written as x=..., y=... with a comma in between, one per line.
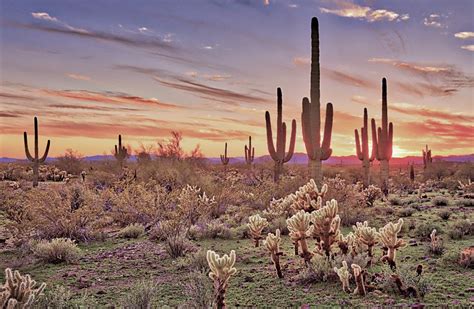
x=444, y=214
x=395, y=200
x=440, y=201
x=198, y=291
x=424, y=229
x=406, y=212
x=59, y=297
x=57, y=250
x=142, y=295
x=133, y=230
x=461, y=228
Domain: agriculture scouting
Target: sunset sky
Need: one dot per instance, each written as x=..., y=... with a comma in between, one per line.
x=210, y=68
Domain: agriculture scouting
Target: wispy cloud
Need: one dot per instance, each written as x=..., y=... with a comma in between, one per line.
x=468, y=47
x=433, y=20
x=45, y=16
x=348, y=79
x=107, y=97
x=464, y=35
x=349, y=9
x=423, y=111
x=438, y=79
x=78, y=77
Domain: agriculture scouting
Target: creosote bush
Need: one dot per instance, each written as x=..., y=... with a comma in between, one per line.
x=133, y=230
x=57, y=250
x=440, y=201
x=141, y=295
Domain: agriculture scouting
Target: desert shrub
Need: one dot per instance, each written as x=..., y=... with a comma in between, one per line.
x=440, y=201
x=466, y=202
x=395, y=200
x=57, y=250
x=142, y=295
x=406, y=212
x=173, y=233
x=460, y=228
x=347, y=195
x=59, y=297
x=351, y=216
x=50, y=215
x=424, y=229
x=133, y=230
x=196, y=261
x=194, y=205
x=177, y=246
x=444, y=214
x=320, y=269
x=280, y=224
x=216, y=229
x=198, y=291
x=71, y=162
x=371, y=194
x=101, y=179
x=240, y=232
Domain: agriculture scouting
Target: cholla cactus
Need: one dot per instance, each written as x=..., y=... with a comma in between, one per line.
x=256, y=225
x=388, y=235
x=367, y=236
x=309, y=197
x=18, y=291
x=371, y=194
x=436, y=243
x=279, y=208
x=466, y=187
x=326, y=224
x=272, y=242
x=222, y=268
x=194, y=204
x=344, y=276
x=300, y=229
x=359, y=279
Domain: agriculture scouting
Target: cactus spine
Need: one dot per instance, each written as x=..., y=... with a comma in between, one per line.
x=278, y=154
x=310, y=117
x=35, y=160
x=249, y=152
x=427, y=159
x=120, y=152
x=363, y=152
x=383, y=140
x=224, y=158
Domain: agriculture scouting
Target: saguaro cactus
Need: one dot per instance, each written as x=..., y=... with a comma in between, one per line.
x=310, y=117
x=249, y=152
x=427, y=159
x=412, y=173
x=35, y=160
x=121, y=153
x=224, y=158
x=278, y=155
x=383, y=140
x=362, y=149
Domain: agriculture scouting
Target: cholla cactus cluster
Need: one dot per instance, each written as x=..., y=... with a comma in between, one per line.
x=326, y=223
x=359, y=279
x=194, y=204
x=371, y=194
x=344, y=276
x=309, y=197
x=388, y=235
x=256, y=225
x=467, y=187
x=366, y=235
x=222, y=268
x=300, y=229
x=272, y=242
x=19, y=291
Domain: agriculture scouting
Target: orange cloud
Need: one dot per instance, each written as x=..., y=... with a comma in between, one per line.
x=430, y=113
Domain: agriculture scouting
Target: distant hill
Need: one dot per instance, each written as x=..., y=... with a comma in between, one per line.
x=298, y=158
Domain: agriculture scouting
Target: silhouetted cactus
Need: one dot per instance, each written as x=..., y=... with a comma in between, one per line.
x=249, y=152
x=224, y=158
x=383, y=140
x=363, y=150
x=412, y=173
x=35, y=160
x=310, y=117
x=427, y=159
x=278, y=154
x=121, y=153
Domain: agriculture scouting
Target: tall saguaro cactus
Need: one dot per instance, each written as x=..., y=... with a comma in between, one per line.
x=278, y=155
x=35, y=160
x=383, y=140
x=427, y=159
x=362, y=148
x=249, y=152
x=224, y=158
x=310, y=117
x=121, y=153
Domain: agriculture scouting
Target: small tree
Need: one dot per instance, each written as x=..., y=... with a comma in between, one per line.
x=71, y=162
x=171, y=148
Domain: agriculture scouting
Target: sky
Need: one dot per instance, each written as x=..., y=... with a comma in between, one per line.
x=91, y=70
